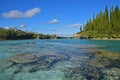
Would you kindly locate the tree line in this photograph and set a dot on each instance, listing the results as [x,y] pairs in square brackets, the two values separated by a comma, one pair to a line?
[104,25]
[13,34]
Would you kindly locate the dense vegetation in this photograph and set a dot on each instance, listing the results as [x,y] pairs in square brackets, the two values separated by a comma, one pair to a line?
[104,25]
[11,34]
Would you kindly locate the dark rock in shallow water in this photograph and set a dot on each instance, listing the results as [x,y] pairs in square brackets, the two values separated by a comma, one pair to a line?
[92,73]
[47,60]
[28,42]
[84,72]
[31,42]
[40,65]
[103,66]
[34,69]
[111,74]
[19,69]
[113,63]
[29,58]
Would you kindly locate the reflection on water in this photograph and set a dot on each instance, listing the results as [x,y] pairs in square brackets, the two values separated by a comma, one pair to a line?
[55,60]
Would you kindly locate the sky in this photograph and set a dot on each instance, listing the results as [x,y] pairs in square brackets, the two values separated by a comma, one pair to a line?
[59,17]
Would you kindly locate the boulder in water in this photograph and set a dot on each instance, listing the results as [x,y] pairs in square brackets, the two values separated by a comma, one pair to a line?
[23,58]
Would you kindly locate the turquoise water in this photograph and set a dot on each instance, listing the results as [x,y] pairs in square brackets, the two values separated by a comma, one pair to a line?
[57,59]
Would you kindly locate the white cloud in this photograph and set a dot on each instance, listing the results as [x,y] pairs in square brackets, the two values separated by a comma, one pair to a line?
[7,27]
[22,25]
[20,14]
[54,21]
[76,25]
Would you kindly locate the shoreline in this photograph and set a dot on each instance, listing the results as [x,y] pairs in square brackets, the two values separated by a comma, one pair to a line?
[97,38]
[66,38]
[104,39]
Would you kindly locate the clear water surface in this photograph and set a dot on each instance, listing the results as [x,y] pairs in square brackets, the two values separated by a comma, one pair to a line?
[58,59]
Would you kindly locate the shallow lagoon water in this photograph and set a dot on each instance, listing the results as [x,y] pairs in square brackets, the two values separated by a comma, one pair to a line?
[61,59]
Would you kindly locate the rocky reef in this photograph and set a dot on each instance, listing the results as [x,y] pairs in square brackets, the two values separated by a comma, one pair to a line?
[103,66]
[69,63]
[40,61]
[23,58]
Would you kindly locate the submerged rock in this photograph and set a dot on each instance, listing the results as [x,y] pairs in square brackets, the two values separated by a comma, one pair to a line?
[111,74]
[36,62]
[113,63]
[23,58]
[27,58]
[106,59]
[34,69]
[31,42]
[85,72]
[102,66]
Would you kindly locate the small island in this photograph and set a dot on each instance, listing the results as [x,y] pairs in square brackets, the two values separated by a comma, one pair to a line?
[105,25]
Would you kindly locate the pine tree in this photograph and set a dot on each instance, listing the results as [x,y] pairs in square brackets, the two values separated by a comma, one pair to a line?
[104,24]
[106,21]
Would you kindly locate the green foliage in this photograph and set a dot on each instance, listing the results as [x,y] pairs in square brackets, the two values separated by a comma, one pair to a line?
[15,34]
[104,25]
[11,34]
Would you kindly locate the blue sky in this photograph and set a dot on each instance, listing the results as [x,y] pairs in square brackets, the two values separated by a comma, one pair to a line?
[60,17]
